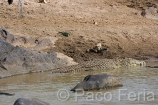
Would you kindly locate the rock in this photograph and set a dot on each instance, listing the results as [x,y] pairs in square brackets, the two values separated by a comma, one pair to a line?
[96,82]
[33,43]
[15,60]
[152,66]
[150,12]
[7,94]
[43,43]
[23,101]
[4,35]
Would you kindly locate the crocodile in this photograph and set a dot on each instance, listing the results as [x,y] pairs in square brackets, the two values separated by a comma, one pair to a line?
[16,60]
[100,64]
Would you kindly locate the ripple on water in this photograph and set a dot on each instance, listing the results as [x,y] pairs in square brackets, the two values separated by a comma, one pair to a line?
[45,86]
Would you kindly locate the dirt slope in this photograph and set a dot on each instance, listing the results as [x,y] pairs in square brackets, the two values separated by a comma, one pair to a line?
[114,23]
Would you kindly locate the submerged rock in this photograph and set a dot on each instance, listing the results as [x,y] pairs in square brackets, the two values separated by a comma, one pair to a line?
[152,66]
[7,94]
[96,82]
[23,101]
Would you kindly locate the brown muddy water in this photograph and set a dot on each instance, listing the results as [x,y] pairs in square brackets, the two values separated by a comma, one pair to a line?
[140,87]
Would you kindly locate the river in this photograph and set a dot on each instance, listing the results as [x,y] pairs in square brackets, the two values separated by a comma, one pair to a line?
[140,87]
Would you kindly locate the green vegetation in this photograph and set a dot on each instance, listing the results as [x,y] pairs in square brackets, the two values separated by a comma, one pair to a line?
[65,33]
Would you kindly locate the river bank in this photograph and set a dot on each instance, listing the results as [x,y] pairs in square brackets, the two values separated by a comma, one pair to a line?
[117,26]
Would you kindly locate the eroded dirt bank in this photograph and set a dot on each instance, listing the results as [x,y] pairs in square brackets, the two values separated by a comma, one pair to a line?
[118,25]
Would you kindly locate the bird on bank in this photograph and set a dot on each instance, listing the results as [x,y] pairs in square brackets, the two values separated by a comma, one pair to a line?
[143,13]
[10,2]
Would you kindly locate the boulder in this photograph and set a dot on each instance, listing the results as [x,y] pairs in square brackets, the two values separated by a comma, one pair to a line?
[15,60]
[97,82]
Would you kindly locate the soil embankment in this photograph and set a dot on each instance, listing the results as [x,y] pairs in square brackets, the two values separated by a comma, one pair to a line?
[117,24]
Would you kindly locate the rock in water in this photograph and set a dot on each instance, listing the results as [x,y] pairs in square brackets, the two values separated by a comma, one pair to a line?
[96,82]
[23,101]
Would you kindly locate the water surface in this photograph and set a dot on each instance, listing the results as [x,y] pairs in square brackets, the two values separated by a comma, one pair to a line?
[140,86]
